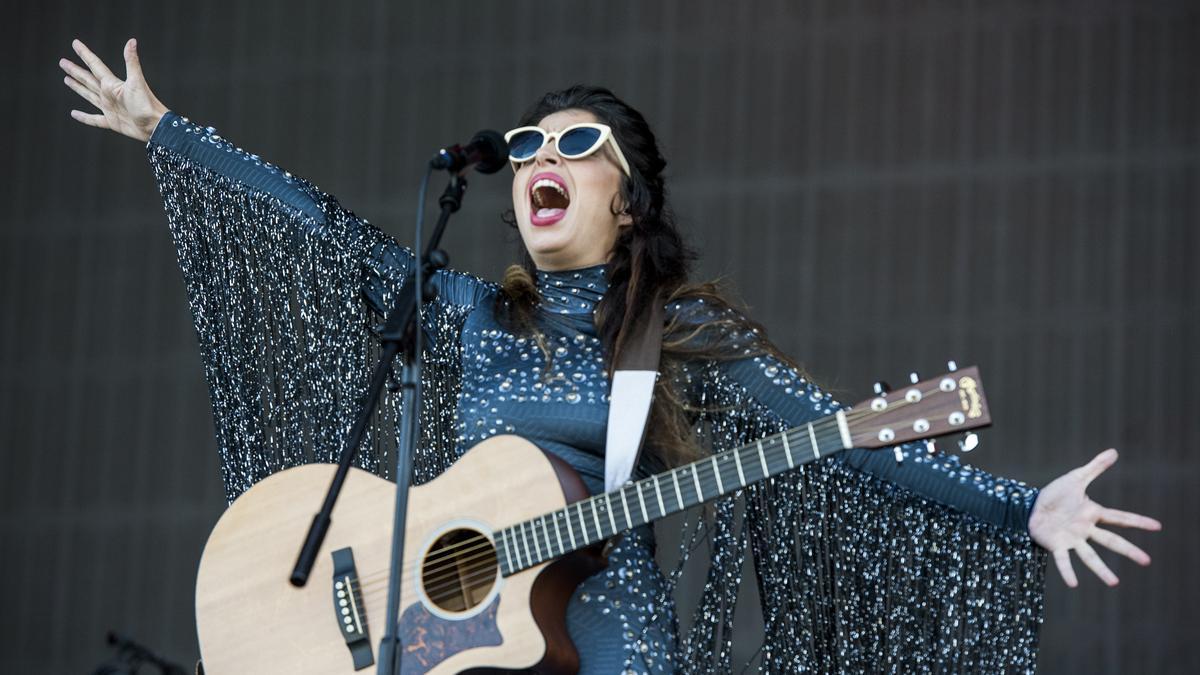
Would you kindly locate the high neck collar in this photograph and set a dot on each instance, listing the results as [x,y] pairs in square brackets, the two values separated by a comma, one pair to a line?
[573,292]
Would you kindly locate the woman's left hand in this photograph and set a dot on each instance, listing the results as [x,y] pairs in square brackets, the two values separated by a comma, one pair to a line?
[1064,518]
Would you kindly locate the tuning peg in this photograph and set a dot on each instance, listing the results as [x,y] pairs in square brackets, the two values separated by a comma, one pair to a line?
[969,442]
[914,377]
[881,388]
[951,366]
[930,446]
[899,454]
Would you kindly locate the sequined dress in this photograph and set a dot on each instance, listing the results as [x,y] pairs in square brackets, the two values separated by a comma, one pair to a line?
[861,563]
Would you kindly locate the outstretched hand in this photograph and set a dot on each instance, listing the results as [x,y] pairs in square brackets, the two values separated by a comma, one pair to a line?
[1064,519]
[126,106]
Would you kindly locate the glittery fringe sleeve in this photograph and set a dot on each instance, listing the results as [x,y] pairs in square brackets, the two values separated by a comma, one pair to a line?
[858,574]
[790,396]
[275,273]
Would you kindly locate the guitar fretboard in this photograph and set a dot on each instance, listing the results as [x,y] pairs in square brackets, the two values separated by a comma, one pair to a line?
[598,518]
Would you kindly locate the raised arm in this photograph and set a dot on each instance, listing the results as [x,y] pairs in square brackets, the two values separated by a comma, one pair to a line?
[285,285]
[193,159]
[181,152]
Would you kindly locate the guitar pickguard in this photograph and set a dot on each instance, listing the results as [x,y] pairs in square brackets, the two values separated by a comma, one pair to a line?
[429,639]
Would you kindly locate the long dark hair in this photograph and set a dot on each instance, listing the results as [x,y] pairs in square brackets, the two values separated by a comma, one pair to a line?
[649,261]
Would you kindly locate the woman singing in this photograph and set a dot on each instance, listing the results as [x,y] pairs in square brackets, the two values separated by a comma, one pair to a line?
[862,563]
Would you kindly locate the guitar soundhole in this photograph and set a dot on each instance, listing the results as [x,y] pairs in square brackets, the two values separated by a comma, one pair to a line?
[459,570]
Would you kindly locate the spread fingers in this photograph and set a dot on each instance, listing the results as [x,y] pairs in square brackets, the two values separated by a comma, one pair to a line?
[90,120]
[1062,560]
[1127,519]
[1115,542]
[1089,557]
[93,62]
[81,75]
[87,94]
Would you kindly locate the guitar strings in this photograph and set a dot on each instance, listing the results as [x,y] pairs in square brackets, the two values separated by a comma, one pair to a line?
[477,572]
[474,570]
[473,566]
[798,431]
[483,552]
[484,547]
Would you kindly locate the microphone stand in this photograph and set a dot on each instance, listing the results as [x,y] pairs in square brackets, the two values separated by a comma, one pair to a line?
[401,335]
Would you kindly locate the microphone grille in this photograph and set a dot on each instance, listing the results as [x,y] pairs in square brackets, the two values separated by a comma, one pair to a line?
[493,151]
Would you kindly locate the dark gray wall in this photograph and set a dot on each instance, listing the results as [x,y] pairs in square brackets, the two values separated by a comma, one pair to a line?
[888,184]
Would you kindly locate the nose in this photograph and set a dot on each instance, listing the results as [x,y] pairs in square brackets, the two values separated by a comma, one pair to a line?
[548,154]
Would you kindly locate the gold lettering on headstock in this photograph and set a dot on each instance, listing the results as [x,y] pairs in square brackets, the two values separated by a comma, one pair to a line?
[968,396]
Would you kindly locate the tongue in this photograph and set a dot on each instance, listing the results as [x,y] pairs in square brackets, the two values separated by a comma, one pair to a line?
[546,213]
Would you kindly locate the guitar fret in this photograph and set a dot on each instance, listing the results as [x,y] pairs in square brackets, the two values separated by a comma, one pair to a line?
[642,501]
[678,492]
[662,508]
[843,429]
[763,459]
[558,534]
[507,549]
[533,536]
[525,544]
[696,478]
[625,505]
[538,554]
[812,438]
[596,518]
[611,520]
[546,534]
[570,531]
[582,521]
[787,450]
[717,473]
[737,460]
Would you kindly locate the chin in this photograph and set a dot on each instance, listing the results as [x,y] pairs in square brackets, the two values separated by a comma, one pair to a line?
[547,255]
[547,239]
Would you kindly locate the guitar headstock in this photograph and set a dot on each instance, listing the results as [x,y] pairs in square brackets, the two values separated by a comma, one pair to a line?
[942,405]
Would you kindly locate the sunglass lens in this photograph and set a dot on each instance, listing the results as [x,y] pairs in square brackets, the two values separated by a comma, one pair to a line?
[524,145]
[578,141]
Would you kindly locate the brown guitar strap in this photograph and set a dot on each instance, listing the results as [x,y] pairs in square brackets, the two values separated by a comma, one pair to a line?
[631,394]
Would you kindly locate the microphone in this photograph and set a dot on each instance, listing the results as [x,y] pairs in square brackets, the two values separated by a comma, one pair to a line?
[486,153]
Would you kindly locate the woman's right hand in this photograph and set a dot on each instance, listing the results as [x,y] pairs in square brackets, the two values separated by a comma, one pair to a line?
[126,106]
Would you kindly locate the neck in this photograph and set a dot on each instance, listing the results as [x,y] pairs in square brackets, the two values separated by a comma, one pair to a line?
[567,266]
[574,291]
[566,262]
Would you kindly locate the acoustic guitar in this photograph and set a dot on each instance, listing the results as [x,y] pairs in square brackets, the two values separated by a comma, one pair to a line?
[495,545]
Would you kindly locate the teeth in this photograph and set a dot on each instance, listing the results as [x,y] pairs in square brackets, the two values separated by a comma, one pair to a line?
[546,182]
[539,198]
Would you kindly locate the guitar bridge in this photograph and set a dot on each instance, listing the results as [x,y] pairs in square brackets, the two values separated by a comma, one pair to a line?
[349,608]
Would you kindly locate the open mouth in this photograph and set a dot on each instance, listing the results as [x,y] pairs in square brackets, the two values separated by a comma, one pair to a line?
[549,199]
